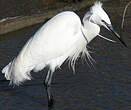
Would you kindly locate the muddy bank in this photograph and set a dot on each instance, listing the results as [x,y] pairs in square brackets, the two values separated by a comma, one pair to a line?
[34,13]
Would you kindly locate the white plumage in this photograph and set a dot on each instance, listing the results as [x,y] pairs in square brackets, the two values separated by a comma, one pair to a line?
[52,44]
[62,37]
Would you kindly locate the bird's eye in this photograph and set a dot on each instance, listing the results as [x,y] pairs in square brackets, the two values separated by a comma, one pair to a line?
[103,21]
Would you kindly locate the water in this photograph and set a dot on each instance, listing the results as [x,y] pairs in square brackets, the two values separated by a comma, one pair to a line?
[104,87]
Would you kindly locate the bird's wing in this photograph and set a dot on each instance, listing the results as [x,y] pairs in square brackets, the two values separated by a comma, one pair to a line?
[53,39]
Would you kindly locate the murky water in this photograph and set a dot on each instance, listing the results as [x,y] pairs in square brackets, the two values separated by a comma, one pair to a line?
[104,87]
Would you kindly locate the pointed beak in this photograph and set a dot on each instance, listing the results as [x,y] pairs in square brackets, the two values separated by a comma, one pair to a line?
[116,34]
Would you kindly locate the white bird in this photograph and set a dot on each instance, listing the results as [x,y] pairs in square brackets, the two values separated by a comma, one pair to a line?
[62,38]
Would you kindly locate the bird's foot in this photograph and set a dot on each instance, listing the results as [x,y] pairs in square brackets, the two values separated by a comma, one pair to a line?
[49,95]
[51,102]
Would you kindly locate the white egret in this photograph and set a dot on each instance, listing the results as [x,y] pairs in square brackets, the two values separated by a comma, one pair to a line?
[62,38]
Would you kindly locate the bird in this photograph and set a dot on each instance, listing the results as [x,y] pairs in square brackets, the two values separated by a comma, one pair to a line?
[62,38]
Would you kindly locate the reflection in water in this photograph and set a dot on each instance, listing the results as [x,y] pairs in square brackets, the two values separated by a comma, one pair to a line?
[106,88]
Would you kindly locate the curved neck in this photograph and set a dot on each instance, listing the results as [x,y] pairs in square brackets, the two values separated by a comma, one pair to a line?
[90,30]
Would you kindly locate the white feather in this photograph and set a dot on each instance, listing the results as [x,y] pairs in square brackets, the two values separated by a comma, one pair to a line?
[62,38]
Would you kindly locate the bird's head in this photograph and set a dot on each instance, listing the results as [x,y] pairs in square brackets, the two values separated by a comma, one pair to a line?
[98,16]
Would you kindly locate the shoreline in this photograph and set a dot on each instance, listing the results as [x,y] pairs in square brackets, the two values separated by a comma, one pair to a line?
[15,23]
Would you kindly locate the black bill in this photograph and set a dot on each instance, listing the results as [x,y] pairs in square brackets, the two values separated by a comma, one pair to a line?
[117,35]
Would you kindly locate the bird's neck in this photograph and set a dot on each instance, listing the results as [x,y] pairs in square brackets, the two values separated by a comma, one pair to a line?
[90,30]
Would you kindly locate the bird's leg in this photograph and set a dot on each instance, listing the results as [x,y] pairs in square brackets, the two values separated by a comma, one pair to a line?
[48,88]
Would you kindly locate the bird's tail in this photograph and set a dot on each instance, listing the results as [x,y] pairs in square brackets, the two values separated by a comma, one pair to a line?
[14,74]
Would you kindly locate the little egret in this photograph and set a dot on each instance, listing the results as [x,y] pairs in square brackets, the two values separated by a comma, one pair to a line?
[64,37]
